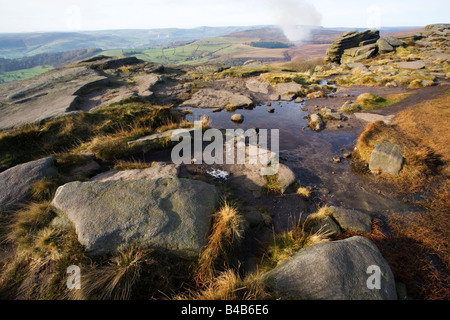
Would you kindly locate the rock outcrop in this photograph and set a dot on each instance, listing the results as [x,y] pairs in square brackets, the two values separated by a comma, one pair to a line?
[16,182]
[386,157]
[337,270]
[169,214]
[350,40]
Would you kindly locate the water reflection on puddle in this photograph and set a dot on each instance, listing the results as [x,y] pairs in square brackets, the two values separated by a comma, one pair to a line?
[288,117]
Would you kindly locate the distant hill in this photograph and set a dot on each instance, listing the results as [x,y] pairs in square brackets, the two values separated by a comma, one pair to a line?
[18,45]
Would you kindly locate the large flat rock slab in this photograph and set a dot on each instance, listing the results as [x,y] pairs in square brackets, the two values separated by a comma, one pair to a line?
[48,95]
[156,171]
[210,98]
[169,214]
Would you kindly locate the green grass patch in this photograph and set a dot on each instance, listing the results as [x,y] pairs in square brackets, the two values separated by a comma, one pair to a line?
[23,73]
[369,101]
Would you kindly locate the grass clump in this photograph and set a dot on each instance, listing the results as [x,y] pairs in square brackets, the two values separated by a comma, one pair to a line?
[226,232]
[369,101]
[272,185]
[122,165]
[132,273]
[245,72]
[286,244]
[285,77]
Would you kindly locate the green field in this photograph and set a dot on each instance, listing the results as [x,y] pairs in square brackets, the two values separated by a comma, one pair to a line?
[23,74]
[193,53]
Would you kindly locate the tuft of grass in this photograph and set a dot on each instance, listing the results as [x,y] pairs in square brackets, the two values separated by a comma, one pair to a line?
[43,189]
[305,192]
[117,279]
[27,222]
[123,165]
[226,232]
[272,185]
[229,285]
[367,99]
[286,244]
[370,101]
[37,270]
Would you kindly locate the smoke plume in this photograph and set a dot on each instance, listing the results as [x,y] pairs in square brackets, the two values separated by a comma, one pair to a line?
[296,18]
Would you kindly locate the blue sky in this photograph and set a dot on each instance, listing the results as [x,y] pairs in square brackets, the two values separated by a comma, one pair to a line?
[74,15]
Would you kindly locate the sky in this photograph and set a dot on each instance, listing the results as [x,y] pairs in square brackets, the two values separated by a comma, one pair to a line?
[78,15]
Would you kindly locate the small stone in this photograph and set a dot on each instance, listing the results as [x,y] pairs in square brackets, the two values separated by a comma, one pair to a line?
[337,159]
[237,117]
[271,110]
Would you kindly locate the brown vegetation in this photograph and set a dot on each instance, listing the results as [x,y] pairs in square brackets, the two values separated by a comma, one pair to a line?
[417,245]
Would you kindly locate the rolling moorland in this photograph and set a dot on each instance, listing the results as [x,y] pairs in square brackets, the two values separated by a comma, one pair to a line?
[87,178]
[20,54]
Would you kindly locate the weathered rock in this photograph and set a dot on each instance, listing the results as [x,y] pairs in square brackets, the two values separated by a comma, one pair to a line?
[350,40]
[413,65]
[324,225]
[146,83]
[355,65]
[337,270]
[359,53]
[274,97]
[16,182]
[386,157]
[288,88]
[154,140]
[372,117]
[286,177]
[172,214]
[237,117]
[257,86]
[51,94]
[253,64]
[157,171]
[210,98]
[350,107]
[333,115]
[316,122]
[384,46]
[271,110]
[393,41]
[287,97]
[352,220]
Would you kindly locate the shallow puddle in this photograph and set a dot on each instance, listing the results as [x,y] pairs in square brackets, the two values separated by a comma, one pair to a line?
[310,154]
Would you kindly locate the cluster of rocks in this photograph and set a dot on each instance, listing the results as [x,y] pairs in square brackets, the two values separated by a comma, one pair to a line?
[356,46]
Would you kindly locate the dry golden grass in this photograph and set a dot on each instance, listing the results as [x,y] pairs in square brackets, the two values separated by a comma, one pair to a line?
[421,163]
[305,192]
[417,245]
[122,165]
[118,278]
[227,231]
[229,285]
[286,244]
